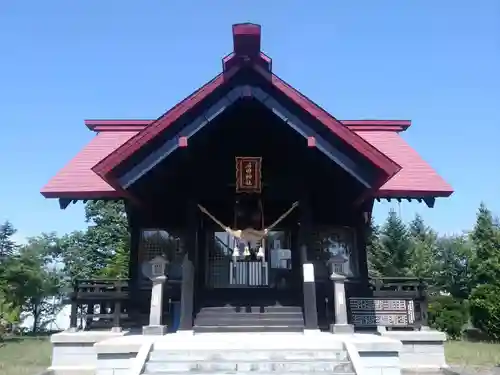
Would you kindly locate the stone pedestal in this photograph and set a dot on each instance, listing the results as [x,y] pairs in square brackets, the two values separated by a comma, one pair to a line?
[422,350]
[155,271]
[155,326]
[341,324]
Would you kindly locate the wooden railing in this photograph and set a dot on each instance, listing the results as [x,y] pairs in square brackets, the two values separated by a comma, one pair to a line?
[391,302]
[101,303]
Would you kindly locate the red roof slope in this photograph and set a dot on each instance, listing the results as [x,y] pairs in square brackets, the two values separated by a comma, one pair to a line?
[77,180]
[247,53]
[416,178]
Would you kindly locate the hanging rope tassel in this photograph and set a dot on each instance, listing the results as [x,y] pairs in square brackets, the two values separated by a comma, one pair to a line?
[260,253]
[236,250]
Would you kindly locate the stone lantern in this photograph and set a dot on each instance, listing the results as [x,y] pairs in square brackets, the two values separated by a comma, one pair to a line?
[337,274]
[155,270]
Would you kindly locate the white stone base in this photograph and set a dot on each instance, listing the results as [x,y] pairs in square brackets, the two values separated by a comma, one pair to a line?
[111,353]
[341,328]
[422,350]
[158,330]
[73,352]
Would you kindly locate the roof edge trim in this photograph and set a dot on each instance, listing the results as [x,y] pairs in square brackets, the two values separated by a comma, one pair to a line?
[403,194]
[98,125]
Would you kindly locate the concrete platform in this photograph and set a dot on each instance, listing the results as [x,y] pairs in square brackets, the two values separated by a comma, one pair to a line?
[422,350]
[377,354]
[111,353]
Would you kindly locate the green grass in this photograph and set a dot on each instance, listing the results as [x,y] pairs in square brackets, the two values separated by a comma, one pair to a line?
[24,355]
[467,353]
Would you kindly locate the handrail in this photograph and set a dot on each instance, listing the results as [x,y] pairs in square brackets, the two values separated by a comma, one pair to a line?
[355,358]
[140,360]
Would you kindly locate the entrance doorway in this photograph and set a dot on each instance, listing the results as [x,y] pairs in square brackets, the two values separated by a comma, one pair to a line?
[274,269]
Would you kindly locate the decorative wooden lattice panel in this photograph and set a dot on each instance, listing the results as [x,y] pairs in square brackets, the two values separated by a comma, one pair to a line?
[159,242]
[389,312]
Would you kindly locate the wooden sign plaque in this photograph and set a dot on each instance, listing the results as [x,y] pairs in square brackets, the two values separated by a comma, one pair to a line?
[248,174]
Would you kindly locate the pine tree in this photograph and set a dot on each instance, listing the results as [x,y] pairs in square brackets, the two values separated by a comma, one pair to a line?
[417,228]
[452,261]
[485,239]
[396,244]
[375,252]
[423,250]
[7,245]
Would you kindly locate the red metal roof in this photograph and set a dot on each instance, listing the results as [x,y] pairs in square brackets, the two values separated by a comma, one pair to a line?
[416,178]
[246,41]
[77,180]
[404,173]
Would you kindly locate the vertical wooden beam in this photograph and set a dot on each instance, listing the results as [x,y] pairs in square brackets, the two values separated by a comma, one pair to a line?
[188,270]
[73,318]
[308,279]
[117,310]
[134,273]
[363,229]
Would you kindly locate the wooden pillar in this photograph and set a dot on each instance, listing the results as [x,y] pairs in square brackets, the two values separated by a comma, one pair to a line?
[188,270]
[134,272]
[73,318]
[363,228]
[309,285]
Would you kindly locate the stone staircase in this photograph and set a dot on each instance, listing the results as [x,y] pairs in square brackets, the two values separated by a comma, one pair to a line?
[260,318]
[248,361]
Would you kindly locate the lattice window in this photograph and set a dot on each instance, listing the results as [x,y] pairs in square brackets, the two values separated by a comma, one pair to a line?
[155,242]
[169,244]
[334,245]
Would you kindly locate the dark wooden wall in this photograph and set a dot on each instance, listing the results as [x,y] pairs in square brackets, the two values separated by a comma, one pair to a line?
[204,172]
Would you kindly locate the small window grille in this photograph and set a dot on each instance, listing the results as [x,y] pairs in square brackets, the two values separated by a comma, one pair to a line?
[159,242]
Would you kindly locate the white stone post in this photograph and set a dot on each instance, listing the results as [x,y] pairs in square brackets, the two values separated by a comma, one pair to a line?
[341,323]
[156,272]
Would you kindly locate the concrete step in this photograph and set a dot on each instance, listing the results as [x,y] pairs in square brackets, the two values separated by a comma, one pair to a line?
[293,355]
[232,321]
[252,309]
[251,315]
[205,367]
[249,373]
[256,328]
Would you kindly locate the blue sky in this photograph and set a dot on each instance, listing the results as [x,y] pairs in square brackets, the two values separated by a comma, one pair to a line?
[434,62]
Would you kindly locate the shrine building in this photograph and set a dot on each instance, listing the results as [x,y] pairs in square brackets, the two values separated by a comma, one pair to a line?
[249,208]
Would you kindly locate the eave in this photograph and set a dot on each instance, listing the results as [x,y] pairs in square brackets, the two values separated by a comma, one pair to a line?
[355,125]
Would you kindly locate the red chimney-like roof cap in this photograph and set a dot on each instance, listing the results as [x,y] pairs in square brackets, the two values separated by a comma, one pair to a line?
[246,39]
[246,47]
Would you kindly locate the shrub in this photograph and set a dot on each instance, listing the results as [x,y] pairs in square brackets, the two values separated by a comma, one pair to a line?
[485,309]
[9,316]
[448,314]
